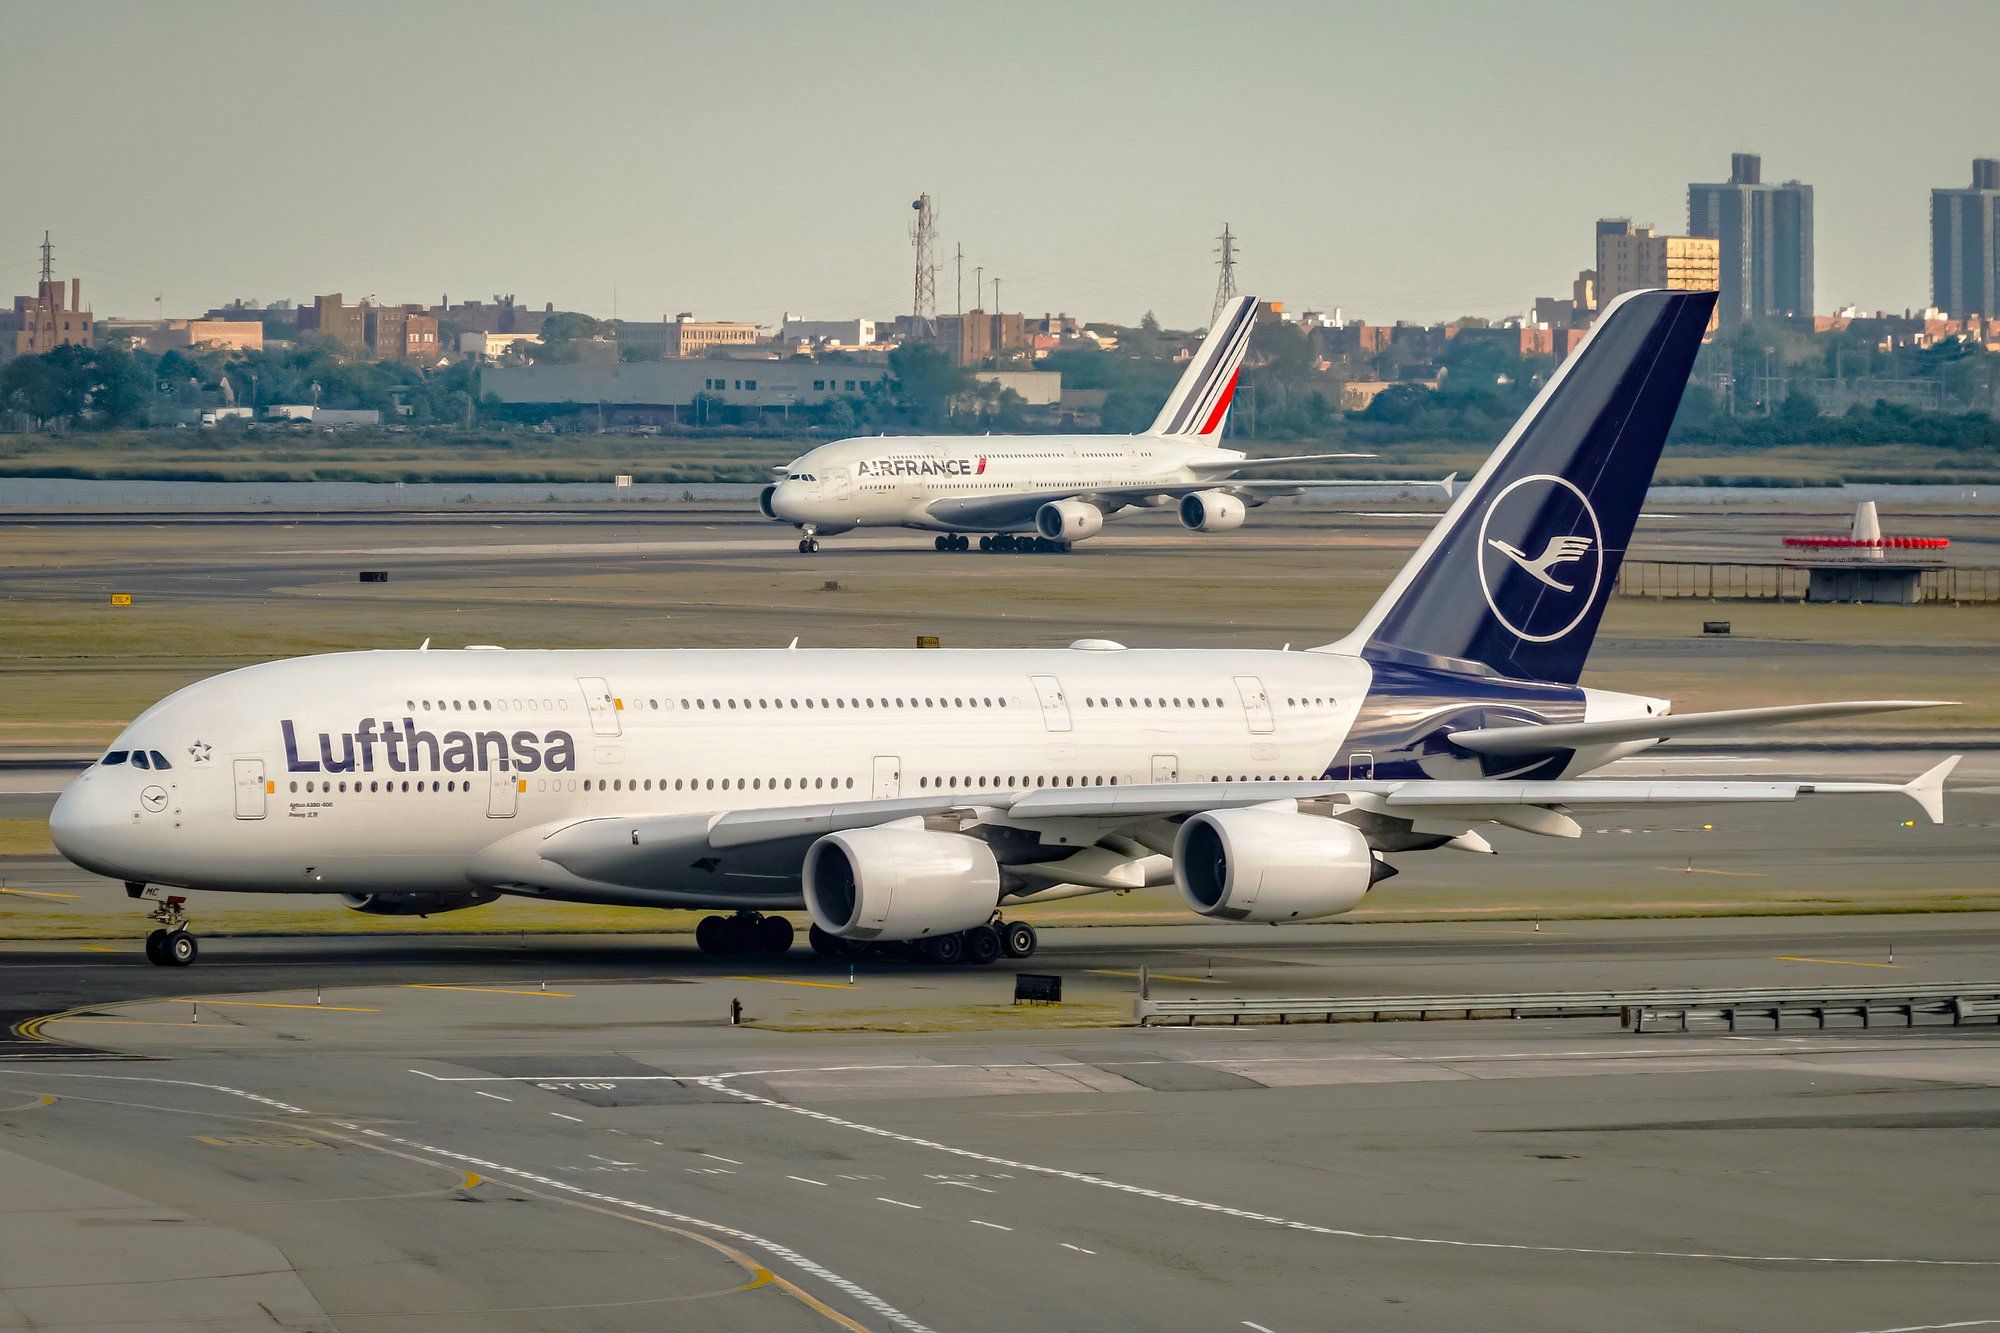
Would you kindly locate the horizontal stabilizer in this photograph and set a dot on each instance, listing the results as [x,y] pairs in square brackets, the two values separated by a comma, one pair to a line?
[1577,735]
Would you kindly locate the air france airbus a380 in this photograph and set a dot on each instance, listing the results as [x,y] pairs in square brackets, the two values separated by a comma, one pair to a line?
[920,795]
[1056,489]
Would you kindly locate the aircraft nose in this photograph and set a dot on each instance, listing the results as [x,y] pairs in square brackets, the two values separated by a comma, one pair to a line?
[86,828]
[784,500]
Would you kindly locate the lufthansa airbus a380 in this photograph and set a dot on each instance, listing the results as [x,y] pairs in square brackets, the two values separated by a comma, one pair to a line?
[918,796]
[1045,492]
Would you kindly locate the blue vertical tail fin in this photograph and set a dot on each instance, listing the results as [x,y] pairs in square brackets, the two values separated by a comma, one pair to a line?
[1514,578]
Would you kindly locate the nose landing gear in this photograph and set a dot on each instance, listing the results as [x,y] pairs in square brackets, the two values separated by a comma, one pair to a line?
[809,543]
[171,945]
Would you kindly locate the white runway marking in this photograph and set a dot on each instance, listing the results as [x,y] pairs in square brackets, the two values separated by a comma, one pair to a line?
[716,1082]
[784,1252]
[1925,1328]
[1078,1248]
[968,1185]
[479,1092]
[899,1203]
[560,1116]
[995,1225]
[261,1100]
[716,1158]
[805,1181]
[1259,1327]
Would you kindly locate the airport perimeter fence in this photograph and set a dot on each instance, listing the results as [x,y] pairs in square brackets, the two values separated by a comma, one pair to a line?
[1960,1001]
[1732,581]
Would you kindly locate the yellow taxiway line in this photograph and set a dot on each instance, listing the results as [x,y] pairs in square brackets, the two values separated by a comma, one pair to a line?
[1832,962]
[1156,976]
[782,981]
[37,893]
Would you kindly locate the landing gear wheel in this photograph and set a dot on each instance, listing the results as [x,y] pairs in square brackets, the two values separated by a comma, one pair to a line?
[708,936]
[937,544]
[178,949]
[153,953]
[774,935]
[945,949]
[1017,939]
[825,945]
[982,945]
[985,543]
[808,546]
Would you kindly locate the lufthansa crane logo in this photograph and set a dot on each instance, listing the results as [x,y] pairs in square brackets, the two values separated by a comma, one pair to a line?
[1541,557]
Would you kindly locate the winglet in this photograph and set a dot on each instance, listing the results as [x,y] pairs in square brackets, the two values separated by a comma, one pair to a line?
[1927,789]
[1449,484]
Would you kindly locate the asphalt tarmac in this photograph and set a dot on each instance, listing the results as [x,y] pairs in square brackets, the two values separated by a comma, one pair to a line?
[567,1132]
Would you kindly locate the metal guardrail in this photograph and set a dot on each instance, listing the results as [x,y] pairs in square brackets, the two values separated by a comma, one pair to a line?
[1959,999]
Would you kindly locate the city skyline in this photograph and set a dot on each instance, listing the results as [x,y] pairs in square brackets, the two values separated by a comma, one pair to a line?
[1417,162]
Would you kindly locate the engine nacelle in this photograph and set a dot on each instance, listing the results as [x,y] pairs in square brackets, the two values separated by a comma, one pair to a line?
[1211,511]
[1272,865]
[428,902]
[899,883]
[1069,520]
[764,501]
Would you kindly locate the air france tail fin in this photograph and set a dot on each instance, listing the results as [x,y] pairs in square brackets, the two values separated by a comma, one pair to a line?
[1514,578]
[1199,404]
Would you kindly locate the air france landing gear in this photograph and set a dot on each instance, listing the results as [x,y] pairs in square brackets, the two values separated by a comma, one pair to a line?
[171,945]
[745,932]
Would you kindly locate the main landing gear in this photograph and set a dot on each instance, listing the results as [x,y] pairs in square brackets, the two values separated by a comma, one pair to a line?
[171,945]
[745,932]
[981,945]
[1004,543]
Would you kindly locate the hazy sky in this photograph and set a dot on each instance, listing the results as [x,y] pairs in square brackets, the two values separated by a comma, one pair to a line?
[739,160]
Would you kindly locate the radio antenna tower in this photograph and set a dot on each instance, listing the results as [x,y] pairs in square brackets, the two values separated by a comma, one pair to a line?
[1225,285]
[48,257]
[923,305]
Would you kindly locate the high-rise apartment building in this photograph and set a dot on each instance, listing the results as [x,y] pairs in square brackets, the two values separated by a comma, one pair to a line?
[1965,245]
[1764,235]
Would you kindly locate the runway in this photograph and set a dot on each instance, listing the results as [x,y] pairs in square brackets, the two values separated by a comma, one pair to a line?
[551,1133]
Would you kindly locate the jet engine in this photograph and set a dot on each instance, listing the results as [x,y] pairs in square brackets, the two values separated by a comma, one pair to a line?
[899,883]
[1272,865]
[1211,511]
[764,501]
[427,902]
[1069,520]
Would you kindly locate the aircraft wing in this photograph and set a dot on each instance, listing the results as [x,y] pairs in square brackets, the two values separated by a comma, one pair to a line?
[745,850]
[1575,735]
[1225,467]
[1018,507]
[1426,797]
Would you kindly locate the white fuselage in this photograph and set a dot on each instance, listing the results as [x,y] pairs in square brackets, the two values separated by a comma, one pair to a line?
[912,481]
[394,771]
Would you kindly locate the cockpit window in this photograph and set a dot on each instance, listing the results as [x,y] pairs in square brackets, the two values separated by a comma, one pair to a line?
[139,759]
[114,757]
[159,760]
